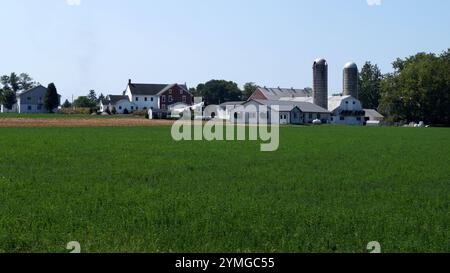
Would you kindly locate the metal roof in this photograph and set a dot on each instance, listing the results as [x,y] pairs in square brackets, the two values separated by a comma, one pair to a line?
[278,93]
[305,107]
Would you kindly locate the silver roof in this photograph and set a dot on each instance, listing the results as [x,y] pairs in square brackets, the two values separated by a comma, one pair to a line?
[350,65]
[305,107]
[278,93]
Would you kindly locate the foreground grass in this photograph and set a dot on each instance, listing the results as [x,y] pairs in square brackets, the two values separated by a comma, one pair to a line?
[327,189]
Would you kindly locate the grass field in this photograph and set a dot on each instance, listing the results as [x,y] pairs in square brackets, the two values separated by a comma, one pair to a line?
[327,189]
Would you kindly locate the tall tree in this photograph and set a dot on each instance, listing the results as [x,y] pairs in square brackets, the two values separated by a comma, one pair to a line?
[8,98]
[84,102]
[369,85]
[51,98]
[92,96]
[219,91]
[101,97]
[249,89]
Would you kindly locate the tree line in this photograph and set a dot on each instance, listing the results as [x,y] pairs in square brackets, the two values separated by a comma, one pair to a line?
[417,90]
[13,84]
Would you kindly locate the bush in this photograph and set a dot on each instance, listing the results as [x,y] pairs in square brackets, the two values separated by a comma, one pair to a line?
[126,112]
[114,111]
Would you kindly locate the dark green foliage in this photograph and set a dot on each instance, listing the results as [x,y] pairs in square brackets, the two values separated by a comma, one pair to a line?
[370,79]
[126,112]
[219,91]
[418,90]
[249,89]
[67,104]
[137,190]
[51,98]
[84,102]
[8,98]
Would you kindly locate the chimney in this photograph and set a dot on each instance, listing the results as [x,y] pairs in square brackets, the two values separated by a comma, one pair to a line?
[129,81]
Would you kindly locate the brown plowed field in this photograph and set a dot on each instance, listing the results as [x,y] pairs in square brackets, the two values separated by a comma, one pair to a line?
[79,122]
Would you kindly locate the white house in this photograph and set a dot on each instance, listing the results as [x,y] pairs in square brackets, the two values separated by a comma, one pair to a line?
[156,97]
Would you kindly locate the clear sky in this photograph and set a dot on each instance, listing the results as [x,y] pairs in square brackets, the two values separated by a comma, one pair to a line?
[100,44]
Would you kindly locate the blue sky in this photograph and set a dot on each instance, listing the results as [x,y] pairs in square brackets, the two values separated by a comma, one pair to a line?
[100,44]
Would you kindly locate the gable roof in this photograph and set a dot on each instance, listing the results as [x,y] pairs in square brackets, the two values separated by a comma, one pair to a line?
[373,113]
[278,93]
[31,90]
[305,107]
[113,99]
[152,89]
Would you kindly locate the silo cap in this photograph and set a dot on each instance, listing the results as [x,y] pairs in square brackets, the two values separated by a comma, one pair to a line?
[320,61]
[350,65]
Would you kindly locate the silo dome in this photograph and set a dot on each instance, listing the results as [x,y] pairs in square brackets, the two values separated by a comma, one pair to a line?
[350,65]
[320,62]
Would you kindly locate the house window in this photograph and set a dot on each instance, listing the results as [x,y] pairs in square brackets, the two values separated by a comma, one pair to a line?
[181,91]
[358,118]
[184,98]
[137,108]
[137,99]
[29,107]
[145,99]
[342,118]
[310,116]
[120,107]
[163,98]
[354,102]
[170,98]
[151,99]
[318,116]
[39,107]
[132,108]
[28,98]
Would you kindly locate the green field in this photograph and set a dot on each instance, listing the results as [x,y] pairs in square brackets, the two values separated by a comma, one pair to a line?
[327,189]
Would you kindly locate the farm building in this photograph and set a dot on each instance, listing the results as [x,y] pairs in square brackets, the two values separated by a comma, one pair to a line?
[346,110]
[287,112]
[156,97]
[30,101]
[372,117]
[264,93]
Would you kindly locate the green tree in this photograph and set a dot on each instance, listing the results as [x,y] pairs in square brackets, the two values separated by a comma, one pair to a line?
[100,98]
[418,90]
[83,102]
[26,82]
[8,98]
[51,98]
[92,96]
[67,104]
[249,89]
[369,86]
[219,91]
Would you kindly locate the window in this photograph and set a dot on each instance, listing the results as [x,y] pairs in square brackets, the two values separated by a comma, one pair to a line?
[318,116]
[342,118]
[170,98]
[163,98]
[120,107]
[29,107]
[28,98]
[137,99]
[151,99]
[137,108]
[346,102]
[132,108]
[39,107]
[170,91]
[145,99]
[358,118]
[310,116]
[184,98]
[354,102]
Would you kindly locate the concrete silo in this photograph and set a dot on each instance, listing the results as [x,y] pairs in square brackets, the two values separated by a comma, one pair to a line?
[351,76]
[320,83]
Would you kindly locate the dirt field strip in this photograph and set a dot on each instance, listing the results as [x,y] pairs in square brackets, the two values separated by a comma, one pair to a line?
[69,122]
